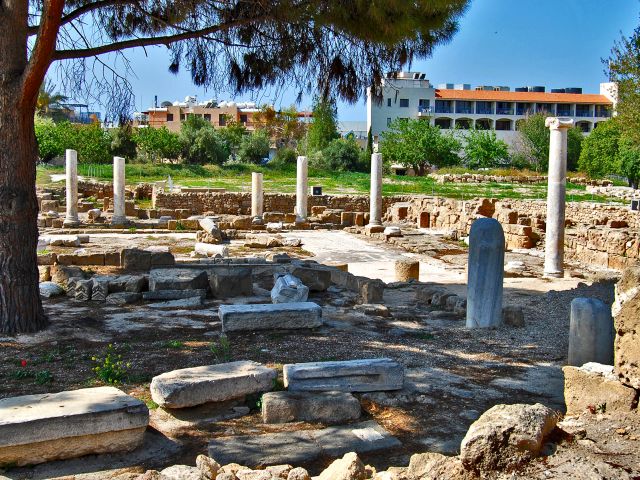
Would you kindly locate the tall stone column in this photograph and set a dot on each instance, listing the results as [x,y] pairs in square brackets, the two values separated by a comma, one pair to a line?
[257,197]
[485,274]
[71,172]
[554,243]
[302,189]
[375,201]
[119,215]
[591,332]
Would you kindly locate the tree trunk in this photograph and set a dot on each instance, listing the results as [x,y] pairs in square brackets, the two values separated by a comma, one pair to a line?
[20,305]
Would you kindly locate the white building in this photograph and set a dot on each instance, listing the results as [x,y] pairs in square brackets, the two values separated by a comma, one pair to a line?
[411,95]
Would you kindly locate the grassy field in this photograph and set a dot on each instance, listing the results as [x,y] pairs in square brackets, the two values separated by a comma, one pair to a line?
[237,178]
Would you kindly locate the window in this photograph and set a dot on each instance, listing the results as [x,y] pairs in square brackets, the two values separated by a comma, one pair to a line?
[207,117]
[404,103]
[243,119]
[222,120]
[182,117]
[388,102]
[388,121]
[169,117]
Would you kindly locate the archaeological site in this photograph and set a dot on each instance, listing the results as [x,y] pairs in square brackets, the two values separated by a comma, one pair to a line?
[202,334]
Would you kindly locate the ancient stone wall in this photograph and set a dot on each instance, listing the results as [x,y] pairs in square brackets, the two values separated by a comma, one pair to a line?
[521,179]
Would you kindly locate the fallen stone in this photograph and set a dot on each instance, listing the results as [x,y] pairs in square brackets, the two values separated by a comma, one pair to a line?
[279,471]
[211,383]
[317,279]
[83,290]
[211,250]
[231,282]
[300,447]
[513,316]
[61,274]
[181,472]
[177,279]
[435,466]
[50,289]
[70,241]
[372,291]
[45,427]
[330,408]
[208,467]
[174,422]
[372,309]
[595,385]
[289,289]
[298,473]
[135,259]
[165,295]
[123,298]
[370,375]
[99,290]
[392,232]
[505,436]
[237,318]
[349,467]
[182,303]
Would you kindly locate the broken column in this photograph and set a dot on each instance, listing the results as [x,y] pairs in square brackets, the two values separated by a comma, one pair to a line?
[375,206]
[486,272]
[591,332]
[302,190]
[71,173]
[119,216]
[257,197]
[554,243]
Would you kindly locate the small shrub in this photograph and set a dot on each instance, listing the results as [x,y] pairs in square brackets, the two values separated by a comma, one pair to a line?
[221,349]
[110,369]
[180,226]
[175,344]
[43,377]
[285,156]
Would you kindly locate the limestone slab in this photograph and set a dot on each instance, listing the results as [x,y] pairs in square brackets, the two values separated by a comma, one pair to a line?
[39,428]
[325,407]
[210,383]
[173,294]
[237,318]
[302,446]
[370,375]
[177,279]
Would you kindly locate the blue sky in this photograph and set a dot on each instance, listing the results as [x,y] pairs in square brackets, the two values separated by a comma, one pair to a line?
[557,43]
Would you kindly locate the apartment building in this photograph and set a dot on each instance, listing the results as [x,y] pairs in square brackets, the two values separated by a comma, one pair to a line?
[171,115]
[461,107]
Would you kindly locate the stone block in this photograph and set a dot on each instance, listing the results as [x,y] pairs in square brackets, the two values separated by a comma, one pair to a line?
[627,324]
[371,291]
[211,250]
[47,258]
[45,427]
[165,295]
[593,385]
[289,289]
[407,270]
[238,318]
[317,279]
[99,290]
[211,383]
[177,279]
[162,259]
[123,298]
[370,375]
[81,259]
[330,408]
[135,259]
[231,282]
[112,259]
[83,290]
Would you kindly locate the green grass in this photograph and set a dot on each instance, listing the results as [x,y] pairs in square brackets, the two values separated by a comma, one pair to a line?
[237,178]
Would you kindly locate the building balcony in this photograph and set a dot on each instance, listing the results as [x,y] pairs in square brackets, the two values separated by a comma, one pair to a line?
[484,111]
[424,111]
[443,109]
[582,113]
[467,111]
[564,113]
[504,111]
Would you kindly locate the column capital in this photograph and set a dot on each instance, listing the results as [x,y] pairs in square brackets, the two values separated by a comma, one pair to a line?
[558,123]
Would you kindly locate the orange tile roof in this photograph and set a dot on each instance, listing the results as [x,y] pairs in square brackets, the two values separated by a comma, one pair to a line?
[492,95]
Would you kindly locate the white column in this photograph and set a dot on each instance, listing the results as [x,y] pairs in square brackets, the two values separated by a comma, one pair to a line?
[119,216]
[71,171]
[302,190]
[375,201]
[257,197]
[554,243]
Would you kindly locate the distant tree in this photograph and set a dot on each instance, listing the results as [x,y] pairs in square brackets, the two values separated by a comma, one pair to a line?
[157,143]
[49,138]
[417,144]
[482,149]
[201,144]
[599,156]
[341,155]
[324,125]
[283,127]
[535,136]
[123,143]
[255,147]
[369,142]
[629,159]
[233,134]
[49,101]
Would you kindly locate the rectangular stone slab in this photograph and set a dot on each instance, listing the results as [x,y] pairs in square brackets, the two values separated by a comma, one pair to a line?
[330,408]
[177,279]
[39,428]
[370,375]
[210,383]
[239,318]
[301,447]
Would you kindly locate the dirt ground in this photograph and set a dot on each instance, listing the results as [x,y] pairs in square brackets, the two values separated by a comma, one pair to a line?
[452,374]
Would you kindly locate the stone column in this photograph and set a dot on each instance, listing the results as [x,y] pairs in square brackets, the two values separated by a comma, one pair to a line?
[257,197]
[71,171]
[375,201]
[485,274]
[554,243]
[119,216]
[591,332]
[302,190]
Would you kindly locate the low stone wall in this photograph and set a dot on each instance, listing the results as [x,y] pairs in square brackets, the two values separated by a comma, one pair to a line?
[596,234]
[522,179]
[229,203]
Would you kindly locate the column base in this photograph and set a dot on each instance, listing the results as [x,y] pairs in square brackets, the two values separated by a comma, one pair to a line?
[70,223]
[301,220]
[119,221]
[373,228]
[554,274]
[257,221]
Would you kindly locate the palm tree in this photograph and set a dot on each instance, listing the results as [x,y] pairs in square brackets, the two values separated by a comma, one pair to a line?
[48,99]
